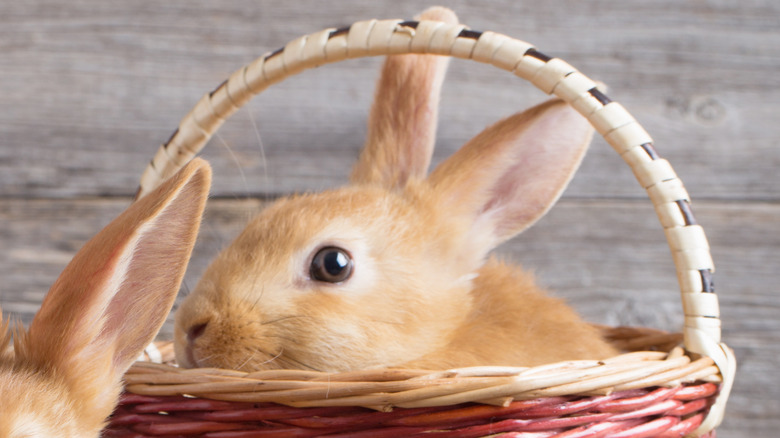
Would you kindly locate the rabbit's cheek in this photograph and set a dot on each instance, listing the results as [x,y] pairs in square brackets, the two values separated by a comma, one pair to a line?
[338,338]
[27,426]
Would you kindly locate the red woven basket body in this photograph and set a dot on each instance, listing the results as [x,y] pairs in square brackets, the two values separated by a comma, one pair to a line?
[667,392]
[661,412]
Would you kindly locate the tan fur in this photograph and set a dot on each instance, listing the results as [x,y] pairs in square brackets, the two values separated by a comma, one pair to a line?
[64,376]
[513,323]
[422,292]
[402,125]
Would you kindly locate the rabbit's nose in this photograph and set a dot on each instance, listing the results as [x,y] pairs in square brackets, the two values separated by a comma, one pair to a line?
[196,331]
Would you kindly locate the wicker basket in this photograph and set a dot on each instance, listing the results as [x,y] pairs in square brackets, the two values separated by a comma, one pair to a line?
[656,389]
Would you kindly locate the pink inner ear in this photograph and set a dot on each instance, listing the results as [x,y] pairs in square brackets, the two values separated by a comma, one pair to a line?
[513,172]
[532,184]
[552,149]
[112,298]
[124,301]
[149,287]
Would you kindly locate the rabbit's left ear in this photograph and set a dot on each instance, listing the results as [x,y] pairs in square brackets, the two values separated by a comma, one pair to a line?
[403,119]
[508,176]
[115,294]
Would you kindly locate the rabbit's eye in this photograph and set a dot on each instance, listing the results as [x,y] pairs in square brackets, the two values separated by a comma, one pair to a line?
[331,265]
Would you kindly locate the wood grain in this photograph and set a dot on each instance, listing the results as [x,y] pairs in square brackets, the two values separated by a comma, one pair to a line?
[90,88]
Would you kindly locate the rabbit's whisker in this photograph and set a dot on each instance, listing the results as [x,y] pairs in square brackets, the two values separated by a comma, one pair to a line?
[284,338]
[235,159]
[299,364]
[260,144]
[278,355]
[250,358]
[256,304]
[283,318]
[395,323]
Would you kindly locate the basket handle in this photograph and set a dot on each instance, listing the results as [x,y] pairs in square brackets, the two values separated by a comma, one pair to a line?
[685,237]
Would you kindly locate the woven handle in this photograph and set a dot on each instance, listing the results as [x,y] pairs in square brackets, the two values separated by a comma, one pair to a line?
[686,238]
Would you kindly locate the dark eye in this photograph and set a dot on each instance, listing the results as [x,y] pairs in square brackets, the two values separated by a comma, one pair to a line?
[331,265]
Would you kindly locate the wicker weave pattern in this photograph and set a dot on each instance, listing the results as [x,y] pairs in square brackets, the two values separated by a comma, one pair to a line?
[386,389]
[629,413]
[686,238]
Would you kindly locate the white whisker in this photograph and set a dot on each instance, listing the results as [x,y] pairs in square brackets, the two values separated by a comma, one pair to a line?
[263,161]
[274,358]
[235,160]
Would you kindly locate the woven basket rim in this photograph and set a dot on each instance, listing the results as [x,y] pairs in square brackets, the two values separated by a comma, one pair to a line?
[657,362]
[687,240]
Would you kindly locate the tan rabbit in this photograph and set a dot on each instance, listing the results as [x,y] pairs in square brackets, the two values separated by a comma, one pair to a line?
[393,270]
[64,376]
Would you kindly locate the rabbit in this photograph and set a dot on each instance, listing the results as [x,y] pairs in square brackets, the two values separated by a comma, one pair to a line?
[393,270]
[63,376]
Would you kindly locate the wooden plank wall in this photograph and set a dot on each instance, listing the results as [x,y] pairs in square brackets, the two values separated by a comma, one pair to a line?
[90,88]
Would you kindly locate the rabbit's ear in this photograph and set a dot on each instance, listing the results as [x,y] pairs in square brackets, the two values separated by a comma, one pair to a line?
[509,176]
[114,296]
[402,123]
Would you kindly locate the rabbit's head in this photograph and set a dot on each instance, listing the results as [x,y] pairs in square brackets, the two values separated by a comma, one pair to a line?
[63,377]
[380,272]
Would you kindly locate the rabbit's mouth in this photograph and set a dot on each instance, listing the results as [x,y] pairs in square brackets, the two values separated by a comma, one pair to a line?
[198,348]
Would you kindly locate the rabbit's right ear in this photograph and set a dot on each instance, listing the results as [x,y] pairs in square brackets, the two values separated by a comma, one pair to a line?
[403,119]
[114,296]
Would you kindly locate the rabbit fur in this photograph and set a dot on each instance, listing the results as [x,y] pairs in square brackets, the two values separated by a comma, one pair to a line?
[423,290]
[63,376]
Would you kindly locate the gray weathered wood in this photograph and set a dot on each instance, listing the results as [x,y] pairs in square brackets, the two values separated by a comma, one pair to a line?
[89,88]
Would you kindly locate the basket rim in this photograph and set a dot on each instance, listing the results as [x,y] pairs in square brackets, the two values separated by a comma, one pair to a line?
[385,389]
[686,238]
